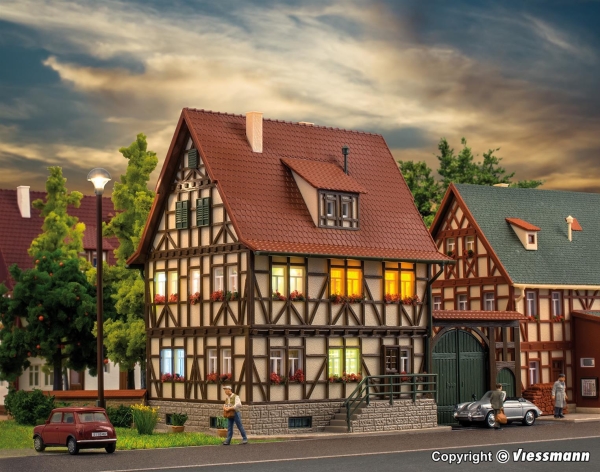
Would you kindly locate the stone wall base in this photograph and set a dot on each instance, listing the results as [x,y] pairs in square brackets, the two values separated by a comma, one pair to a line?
[273,419]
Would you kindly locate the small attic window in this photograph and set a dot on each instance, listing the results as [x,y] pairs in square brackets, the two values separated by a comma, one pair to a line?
[531,238]
[338,210]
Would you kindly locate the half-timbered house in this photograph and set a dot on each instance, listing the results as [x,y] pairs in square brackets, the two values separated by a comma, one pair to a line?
[277,257]
[525,262]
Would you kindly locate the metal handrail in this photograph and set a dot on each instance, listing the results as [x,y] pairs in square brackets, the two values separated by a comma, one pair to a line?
[368,387]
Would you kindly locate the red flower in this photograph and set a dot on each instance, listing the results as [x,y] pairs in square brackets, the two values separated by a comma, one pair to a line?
[275,378]
[298,376]
[225,378]
[392,298]
[159,299]
[194,298]
[212,377]
[297,296]
[173,298]
[278,296]
[217,296]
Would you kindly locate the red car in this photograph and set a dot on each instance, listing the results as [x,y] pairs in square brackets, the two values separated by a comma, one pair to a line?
[76,428]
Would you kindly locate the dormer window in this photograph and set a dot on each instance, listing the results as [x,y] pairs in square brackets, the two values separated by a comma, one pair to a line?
[526,232]
[531,238]
[338,210]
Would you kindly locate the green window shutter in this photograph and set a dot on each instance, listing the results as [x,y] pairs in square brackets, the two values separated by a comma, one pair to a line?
[193,158]
[181,214]
[203,211]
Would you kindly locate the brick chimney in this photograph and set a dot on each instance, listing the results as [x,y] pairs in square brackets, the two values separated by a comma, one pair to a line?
[24,201]
[254,130]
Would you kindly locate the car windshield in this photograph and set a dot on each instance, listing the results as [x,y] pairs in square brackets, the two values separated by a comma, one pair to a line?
[92,417]
[487,395]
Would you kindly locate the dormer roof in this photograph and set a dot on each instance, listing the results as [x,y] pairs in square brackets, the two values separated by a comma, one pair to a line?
[518,222]
[265,204]
[324,175]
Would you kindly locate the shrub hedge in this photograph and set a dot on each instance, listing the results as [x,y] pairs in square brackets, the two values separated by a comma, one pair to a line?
[29,408]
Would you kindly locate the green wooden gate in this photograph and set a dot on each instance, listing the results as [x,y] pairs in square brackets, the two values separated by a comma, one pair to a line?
[507,379]
[459,359]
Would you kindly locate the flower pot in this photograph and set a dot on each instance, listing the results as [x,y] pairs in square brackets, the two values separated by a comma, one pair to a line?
[176,429]
[222,433]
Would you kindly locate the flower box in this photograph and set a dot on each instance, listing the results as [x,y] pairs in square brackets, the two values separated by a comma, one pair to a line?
[391,298]
[297,377]
[173,298]
[278,296]
[297,296]
[225,378]
[277,379]
[159,299]
[411,300]
[212,378]
[221,296]
[336,298]
[194,298]
[172,378]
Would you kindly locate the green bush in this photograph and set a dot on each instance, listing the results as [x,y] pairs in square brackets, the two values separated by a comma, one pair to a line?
[178,419]
[145,418]
[29,408]
[120,417]
[222,422]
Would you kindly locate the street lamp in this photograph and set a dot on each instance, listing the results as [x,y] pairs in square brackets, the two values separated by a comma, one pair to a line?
[99,177]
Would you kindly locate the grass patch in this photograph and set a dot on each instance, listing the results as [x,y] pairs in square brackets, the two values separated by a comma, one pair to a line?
[15,436]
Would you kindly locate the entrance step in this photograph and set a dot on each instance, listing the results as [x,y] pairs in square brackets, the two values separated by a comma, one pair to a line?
[338,423]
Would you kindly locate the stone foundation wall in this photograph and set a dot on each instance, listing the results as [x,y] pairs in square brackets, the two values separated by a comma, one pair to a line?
[403,414]
[272,419]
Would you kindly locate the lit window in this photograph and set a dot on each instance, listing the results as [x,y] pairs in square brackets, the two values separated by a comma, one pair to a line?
[294,361]
[344,360]
[232,275]
[173,283]
[534,372]
[437,303]
[34,376]
[195,281]
[278,279]
[212,361]
[531,304]
[556,304]
[160,280]
[391,282]
[226,361]
[277,361]
[296,279]
[218,282]
[337,281]
[462,302]
[407,281]
[489,302]
[354,279]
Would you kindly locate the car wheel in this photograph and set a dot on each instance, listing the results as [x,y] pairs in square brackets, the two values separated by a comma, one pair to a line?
[111,448]
[490,420]
[72,446]
[529,418]
[464,423]
[38,444]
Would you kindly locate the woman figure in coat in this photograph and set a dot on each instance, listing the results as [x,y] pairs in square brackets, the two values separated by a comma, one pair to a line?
[559,396]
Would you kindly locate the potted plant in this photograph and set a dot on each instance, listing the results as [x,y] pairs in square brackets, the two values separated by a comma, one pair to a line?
[278,296]
[177,422]
[297,296]
[217,296]
[194,298]
[277,379]
[159,299]
[212,378]
[222,424]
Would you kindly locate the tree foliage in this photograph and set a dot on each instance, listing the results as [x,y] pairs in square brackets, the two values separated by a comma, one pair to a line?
[50,314]
[60,230]
[458,168]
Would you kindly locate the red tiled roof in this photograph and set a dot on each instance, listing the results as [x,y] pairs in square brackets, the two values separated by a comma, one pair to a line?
[523,224]
[575,226]
[18,232]
[323,175]
[477,315]
[265,204]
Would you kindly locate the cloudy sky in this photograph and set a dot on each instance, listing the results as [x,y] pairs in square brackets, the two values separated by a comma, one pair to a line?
[80,79]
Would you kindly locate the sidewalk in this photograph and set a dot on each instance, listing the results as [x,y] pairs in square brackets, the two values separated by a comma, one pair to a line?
[292,437]
[572,418]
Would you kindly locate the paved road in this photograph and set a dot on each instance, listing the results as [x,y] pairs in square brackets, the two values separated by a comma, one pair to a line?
[394,452]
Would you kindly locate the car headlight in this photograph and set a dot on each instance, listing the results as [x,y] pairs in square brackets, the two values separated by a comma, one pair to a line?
[478,410]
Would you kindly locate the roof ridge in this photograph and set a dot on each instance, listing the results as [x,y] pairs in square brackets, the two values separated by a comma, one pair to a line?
[298,123]
[510,189]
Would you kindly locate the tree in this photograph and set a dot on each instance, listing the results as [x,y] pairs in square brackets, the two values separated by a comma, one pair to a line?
[60,230]
[50,314]
[460,169]
[125,337]
[426,191]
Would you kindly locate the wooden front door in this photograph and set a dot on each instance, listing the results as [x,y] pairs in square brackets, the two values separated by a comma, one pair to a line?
[558,367]
[390,365]
[76,380]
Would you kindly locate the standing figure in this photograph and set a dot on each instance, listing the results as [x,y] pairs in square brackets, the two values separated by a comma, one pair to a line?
[559,396]
[233,404]
[497,401]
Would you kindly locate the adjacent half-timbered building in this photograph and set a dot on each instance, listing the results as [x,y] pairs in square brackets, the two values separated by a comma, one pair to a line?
[286,259]
[526,259]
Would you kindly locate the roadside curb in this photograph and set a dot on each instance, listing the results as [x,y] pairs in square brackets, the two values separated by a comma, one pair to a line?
[309,436]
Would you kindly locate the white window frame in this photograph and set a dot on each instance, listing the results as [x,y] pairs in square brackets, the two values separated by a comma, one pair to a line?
[463,301]
[195,281]
[404,361]
[531,301]
[34,375]
[232,278]
[534,372]
[451,245]
[297,280]
[294,360]
[226,361]
[160,283]
[218,283]
[437,302]
[276,361]
[166,361]
[470,243]
[279,281]
[489,301]
[556,300]
[213,361]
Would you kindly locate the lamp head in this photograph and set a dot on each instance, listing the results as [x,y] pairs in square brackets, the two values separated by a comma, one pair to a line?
[99,177]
